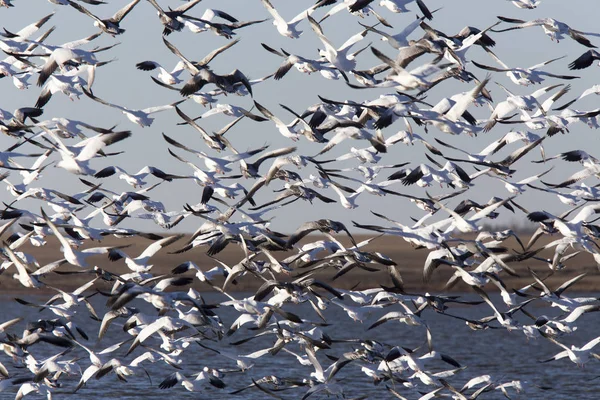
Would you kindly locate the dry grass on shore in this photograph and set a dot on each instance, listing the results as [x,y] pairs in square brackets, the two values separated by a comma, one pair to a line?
[409,260]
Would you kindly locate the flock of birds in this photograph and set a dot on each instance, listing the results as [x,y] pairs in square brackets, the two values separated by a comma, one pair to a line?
[231,212]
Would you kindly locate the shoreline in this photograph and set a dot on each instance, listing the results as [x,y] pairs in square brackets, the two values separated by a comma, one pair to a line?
[410,265]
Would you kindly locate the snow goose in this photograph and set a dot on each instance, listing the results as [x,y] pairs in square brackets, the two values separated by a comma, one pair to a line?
[139,117]
[110,25]
[287,29]
[553,28]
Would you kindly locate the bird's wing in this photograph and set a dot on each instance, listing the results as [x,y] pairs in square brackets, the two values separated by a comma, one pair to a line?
[487,67]
[119,15]
[275,153]
[216,52]
[317,29]
[517,154]
[175,143]
[159,244]
[95,143]
[187,6]
[463,102]
[302,15]
[578,37]
[268,113]
[310,352]
[17,262]
[160,10]
[63,241]
[487,210]
[540,65]
[591,344]
[155,109]
[188,64]
[85,11]
[80,42]
[273,12]
[352,40]
[207,138]
[99,100]
[568,284]
[585,60]
[339,136]
[585,213]
[34,27]
[302,231]
[521,23]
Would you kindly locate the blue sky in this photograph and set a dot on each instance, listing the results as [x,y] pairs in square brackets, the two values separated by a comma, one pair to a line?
[120,82]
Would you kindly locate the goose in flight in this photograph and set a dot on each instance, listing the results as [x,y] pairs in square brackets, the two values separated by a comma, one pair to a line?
[580,156]
[166,77]
[216,164]
[17,41]
[360,8]
[554,29]
[231,111]
[353,132]
[287,29]
[75,159]
[73,257]
[23,276]
[569,199]
[66,127]
[573,228]
[250,169]
[137,179]
[195,25]
[398,40]
[69,83]
[519,187]
[216,141]
[514,102]
[524,76]
[202,75]
[110,25]
[195,383]
[138,117]
[470,224]
[302,64]
[403,79]
[62,56]
[285,129]
[171,20]
[140,263]
[578,355]
[322,225]
[595,89]
[503,167]
[339,57]
[227,30]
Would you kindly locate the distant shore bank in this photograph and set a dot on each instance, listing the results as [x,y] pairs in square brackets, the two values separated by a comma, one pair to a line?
[410,264]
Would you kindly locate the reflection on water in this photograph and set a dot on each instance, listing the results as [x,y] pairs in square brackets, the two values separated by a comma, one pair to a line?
[504,355]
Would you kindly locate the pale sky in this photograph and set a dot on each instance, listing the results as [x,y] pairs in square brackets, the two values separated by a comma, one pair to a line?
[120,82]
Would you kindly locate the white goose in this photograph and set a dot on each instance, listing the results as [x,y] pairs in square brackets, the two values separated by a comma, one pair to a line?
[287,29]
[138,117]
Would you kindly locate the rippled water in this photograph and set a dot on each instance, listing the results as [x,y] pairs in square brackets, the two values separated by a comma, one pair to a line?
[504,355]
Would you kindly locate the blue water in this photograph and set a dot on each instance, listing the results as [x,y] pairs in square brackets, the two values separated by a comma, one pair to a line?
[504,355]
